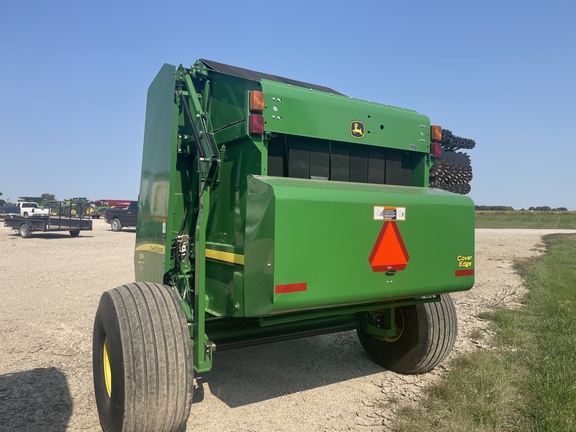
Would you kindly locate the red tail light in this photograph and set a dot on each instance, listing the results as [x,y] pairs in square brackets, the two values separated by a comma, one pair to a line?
[256,124]
[436,149]
[435,137]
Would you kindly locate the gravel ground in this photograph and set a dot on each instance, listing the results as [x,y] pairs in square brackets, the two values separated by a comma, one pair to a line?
[50,285]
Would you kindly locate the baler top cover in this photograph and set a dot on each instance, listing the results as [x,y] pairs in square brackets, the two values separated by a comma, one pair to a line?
[257,76]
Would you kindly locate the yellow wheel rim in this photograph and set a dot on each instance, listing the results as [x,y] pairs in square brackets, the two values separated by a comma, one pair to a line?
[107,370]
[399,326]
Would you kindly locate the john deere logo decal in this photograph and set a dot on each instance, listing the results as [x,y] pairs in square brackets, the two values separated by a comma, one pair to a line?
[357,129]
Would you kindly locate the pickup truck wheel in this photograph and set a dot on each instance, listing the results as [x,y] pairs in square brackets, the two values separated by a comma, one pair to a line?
[142,359]
[426,333]
[75,233]
[25,230]
[116,225]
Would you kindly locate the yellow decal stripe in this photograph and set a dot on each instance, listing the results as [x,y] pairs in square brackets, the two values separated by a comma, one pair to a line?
[225,256]
[210,253]
[151,247]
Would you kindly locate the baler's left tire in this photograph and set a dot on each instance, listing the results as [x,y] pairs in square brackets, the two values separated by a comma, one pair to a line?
[74,233]
[426,335]
[142,359]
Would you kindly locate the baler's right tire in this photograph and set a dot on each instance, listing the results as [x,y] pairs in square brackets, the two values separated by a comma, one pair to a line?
[116,225]
[426,335]
[25,230]
[142,359]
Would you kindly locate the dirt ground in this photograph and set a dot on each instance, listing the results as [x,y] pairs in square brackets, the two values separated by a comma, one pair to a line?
[50,285]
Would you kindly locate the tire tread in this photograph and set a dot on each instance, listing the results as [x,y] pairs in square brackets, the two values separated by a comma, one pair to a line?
[157,359]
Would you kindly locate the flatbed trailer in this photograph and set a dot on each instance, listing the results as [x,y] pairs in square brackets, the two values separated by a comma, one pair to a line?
[25,226]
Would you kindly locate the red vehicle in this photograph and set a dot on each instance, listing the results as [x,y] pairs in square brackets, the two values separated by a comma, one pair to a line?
[111,203]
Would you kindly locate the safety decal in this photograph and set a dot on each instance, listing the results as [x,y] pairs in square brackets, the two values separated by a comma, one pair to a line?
[389,213]
[389,252]
[357,129]
[464,266]
[291,288]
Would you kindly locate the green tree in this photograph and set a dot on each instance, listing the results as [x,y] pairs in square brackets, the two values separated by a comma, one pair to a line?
[48,197]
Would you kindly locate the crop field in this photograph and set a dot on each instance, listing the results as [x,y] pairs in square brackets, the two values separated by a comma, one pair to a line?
[526,219]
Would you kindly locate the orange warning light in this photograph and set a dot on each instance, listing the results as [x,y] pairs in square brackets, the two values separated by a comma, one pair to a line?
[389,252]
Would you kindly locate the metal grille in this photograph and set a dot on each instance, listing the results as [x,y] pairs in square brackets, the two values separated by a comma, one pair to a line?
[302,157]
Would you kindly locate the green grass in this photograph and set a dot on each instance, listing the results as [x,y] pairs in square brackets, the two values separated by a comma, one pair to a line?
[520,219]
[528,383]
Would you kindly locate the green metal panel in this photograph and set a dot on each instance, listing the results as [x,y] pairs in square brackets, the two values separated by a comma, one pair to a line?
[157,169]
[298,111]
[316,237]
[289,255]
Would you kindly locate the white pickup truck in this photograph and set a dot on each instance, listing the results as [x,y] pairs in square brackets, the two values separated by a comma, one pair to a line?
[26,209]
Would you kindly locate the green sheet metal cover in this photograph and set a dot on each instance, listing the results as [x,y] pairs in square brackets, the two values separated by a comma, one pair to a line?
[157,161]
[315,244]
[307,112]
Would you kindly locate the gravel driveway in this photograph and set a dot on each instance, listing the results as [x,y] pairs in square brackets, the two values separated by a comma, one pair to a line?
[50,285]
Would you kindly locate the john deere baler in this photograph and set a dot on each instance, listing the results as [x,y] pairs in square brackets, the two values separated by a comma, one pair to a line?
[271,209]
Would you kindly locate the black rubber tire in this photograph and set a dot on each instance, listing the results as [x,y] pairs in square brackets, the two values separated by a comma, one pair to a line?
[86,210]
[116,225]
[25,230]
[149,353]
[428,334]
[75,233]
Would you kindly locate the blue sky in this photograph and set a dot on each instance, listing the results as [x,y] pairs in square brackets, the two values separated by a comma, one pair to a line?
[75,74]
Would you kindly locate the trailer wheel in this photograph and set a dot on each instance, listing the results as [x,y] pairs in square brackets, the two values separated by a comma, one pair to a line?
[25,230]
[426,335]
[75,233]
[142,360]
[116,225]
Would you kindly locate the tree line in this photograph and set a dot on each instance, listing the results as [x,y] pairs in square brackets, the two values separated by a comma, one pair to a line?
[510,208]
[42,198]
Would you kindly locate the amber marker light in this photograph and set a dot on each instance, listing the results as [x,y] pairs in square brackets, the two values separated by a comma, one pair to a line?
[256,101]
[435,133]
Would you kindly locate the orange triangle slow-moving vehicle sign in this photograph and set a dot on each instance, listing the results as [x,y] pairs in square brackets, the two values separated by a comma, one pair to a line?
[389,252]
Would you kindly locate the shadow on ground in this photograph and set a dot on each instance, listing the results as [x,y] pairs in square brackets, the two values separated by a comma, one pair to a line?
[35,400]
[249,375]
